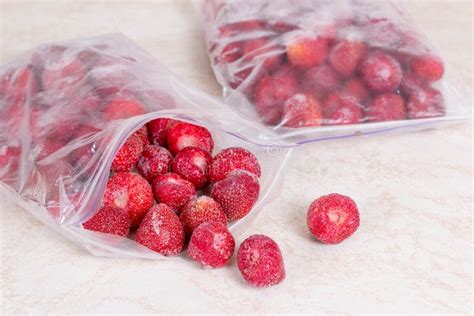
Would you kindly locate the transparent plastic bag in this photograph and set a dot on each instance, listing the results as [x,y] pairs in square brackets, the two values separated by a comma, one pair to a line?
[316,69]
[59,134]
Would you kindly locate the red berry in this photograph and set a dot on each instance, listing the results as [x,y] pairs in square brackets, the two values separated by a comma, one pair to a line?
[321,80]
[354,88]
[129,191]
[155,160]
[424,103]
[346,56]
[161,231]
[386,107]
[61,73]
[172,190]
[192,164]
[231,159]
[128,155]
[271,93]
[122,109]
[262,50]
[200,210]
[260,261]
[237,193]
[333,218]
[182,135]
[158,130]
[230,53]
[142,134]
[341,110]
[302,110]
[381,72]
[240,27]
[428,67]
[307,52]
[211,245]
[109,220]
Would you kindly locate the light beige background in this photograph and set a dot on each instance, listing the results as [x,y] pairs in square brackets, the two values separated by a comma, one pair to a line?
[412,253]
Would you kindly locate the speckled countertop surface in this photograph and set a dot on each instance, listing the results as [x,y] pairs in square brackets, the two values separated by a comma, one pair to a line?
[412,253]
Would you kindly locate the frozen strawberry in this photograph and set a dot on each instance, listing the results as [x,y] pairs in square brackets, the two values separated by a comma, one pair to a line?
[237,193]
[321,80]
[199,210]
[282,27]
[154,160]
[158,130]
[260,261]
[425,102]
[346,56]
[211,245]
[241,26]
[142,134]
[340,110]
[17,84]
[386,107]
[9,161]
[354,88]
[230,53]
[122,109]
[62,73]
[129,191]
[381,72]
[161,231]
[127,156]
[302,110]
[307,52]
[192,164]
[428,67]
[182,135]
[89,102]
[172,190]
[109,220]
[240,76]
[262,50]
[231,159]
[46,148]
[333,218]
[271,93]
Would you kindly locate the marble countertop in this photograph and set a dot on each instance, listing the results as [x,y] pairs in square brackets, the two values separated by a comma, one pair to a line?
[412,252]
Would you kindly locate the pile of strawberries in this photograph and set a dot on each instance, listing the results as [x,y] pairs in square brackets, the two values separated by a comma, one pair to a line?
[332,75]
[166,191]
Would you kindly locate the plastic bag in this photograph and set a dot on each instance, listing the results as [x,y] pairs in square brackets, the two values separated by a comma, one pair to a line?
[318,69]
[59,134]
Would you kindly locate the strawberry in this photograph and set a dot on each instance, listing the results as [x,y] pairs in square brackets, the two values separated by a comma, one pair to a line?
[302,110]
[380,72]
[231,159]
[182,135]
[211,245]
[333,218]
[158,130]
[109,220]
[161,231]
[428,67]
[307,52]
[128,155]
[237,193]
[260,261]
[199,210]
[346,56]
[341,110]
[130,192]
[192,164]
[386,107]
[154,160]
[172,190]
